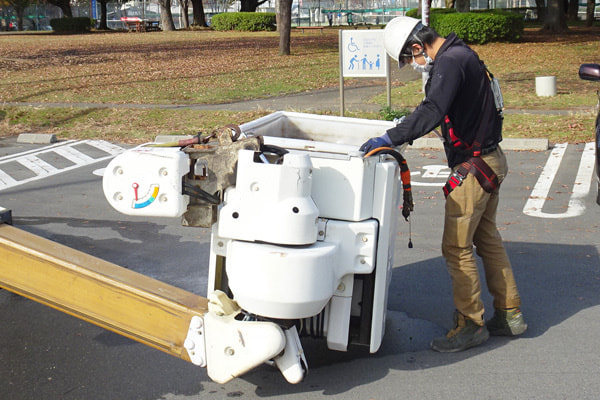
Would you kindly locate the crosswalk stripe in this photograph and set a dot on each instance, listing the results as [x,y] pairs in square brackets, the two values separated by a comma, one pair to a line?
[37,165]
[75,156]
[6,180]
[105,146]
[41,169]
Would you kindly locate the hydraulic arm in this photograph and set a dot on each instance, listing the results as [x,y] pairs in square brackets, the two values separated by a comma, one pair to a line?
[302,244]
[113,297]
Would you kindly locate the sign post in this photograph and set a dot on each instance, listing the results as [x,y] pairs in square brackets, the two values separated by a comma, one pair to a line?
[362,55]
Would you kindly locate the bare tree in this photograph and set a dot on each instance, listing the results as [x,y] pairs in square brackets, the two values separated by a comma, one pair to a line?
[185,7]
[19,6]
[284,26]
[462,6]
[541,9]
[250,5]
[573,10]
[64,5]
[166,18]
[103,12]
[556,20]
[589,12]
[199,16]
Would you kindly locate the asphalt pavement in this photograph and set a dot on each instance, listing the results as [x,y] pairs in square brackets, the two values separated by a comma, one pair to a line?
[45,354]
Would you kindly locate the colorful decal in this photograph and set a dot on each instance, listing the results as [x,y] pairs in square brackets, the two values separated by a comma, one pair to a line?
[147,199]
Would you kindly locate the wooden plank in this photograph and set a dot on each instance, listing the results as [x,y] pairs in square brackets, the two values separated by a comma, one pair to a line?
[110,296]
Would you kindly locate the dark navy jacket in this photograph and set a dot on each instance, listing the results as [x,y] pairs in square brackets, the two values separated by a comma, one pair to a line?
[459,88]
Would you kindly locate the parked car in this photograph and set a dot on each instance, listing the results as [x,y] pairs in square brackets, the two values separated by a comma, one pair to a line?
[591,72]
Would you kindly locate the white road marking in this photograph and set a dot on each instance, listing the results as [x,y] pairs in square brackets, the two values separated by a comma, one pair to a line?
[36,165]
[38,150]
[581,187]
[6,180]
[433,172]
[42,169]
[75,156]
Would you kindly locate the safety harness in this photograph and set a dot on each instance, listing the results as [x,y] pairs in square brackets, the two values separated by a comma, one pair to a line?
[475,165]
[479,169]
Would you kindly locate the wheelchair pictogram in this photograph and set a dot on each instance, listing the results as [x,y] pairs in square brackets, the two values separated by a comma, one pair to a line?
[352,46]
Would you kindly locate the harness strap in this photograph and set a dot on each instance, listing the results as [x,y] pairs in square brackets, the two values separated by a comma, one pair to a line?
[486,177]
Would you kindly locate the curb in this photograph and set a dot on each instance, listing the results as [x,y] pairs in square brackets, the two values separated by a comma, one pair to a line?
[36,138]
[506,144]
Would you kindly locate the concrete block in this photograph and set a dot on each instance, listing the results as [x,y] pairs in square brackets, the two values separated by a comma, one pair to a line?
[36,138]
[525,144]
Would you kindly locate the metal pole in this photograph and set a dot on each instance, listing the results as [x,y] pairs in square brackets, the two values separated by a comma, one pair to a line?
[425,5]
[341,74]
[388,82]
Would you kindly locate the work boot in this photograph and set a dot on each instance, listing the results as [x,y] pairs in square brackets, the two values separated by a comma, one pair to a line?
[466,334]
[509,322]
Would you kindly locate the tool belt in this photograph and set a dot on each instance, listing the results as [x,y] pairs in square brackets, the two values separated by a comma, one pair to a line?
[479,169]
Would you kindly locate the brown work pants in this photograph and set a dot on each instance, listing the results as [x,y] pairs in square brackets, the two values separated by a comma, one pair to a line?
[471,220]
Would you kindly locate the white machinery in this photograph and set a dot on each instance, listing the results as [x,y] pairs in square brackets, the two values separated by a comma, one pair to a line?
[302,239]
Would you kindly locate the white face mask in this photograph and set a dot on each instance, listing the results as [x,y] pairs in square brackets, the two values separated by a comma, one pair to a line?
[423,68]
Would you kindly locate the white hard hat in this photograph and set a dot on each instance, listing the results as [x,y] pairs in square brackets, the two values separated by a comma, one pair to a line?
[396,34]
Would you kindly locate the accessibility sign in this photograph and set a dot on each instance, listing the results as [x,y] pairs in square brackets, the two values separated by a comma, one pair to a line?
[363,54]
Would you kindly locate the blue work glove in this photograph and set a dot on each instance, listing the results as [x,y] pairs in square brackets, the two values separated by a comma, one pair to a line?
[373,143]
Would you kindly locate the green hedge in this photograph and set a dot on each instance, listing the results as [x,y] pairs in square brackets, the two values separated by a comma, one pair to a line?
[243,21]
[481,26]
[71,25]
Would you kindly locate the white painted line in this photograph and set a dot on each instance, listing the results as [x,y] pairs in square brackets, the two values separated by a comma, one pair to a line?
[105,146]
[34,151]
[42,169]
[537,198]
[581,187]
[37,165]
[6,180]
[583,181]
[75,156]
[432,172]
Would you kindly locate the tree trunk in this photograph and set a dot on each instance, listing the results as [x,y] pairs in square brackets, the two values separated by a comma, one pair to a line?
[199,16]
[556,20]
[541,10]
[573,9]
[462,6]
[20,14]
[166,18]
[285,20]
[250,5]
[277,23]
[103,11]
[185,8]
[64,5]
[589,12]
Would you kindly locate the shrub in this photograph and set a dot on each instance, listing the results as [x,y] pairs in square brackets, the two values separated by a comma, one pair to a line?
[481,26]
[244,21]
[71,25]
[389,114]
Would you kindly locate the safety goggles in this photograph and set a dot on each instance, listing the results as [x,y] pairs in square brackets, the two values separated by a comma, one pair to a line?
[405,58]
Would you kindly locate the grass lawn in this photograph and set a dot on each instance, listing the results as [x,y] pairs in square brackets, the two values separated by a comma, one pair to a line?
[205,67]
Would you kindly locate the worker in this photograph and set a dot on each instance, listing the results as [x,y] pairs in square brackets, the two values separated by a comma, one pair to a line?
[459,98]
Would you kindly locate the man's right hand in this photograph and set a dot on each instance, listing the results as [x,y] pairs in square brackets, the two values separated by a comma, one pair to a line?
[376,142]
